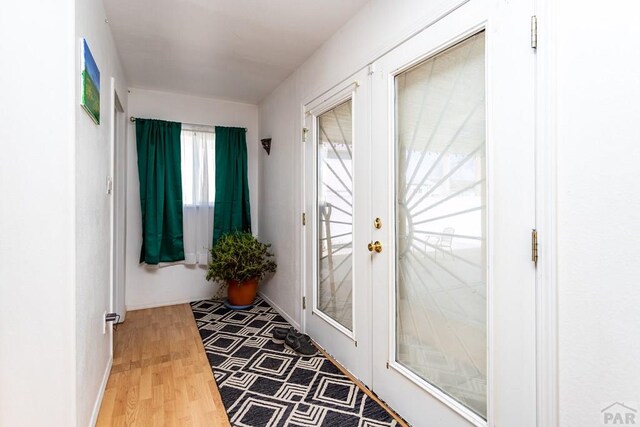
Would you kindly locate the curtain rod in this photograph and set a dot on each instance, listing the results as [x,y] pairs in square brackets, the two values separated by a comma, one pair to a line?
[133,120]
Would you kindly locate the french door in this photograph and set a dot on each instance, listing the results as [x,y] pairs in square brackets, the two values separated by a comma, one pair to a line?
[430,232]
[338,190]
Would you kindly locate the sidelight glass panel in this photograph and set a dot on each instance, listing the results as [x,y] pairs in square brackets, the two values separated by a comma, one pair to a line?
[335,209]
[441,256]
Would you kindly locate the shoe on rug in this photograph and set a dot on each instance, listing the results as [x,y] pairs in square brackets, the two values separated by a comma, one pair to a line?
[300,343]
[279,334]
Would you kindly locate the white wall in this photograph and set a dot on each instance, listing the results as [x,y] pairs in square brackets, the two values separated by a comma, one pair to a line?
[37,215]
[93,212]
[598,156]
[279,198]
[148,287]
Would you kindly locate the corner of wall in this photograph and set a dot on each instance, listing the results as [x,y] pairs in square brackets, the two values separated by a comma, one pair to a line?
[93,205]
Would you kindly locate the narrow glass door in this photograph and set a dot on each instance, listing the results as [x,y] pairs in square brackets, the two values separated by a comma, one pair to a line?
[441,257]
[337,197]
[335,215]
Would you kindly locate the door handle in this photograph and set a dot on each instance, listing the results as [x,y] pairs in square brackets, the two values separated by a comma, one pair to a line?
[375,246]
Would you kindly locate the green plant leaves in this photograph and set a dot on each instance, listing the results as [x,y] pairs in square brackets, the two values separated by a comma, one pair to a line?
[240,256]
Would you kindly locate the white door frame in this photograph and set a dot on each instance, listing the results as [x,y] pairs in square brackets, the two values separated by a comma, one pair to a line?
[546,214]
[118,190]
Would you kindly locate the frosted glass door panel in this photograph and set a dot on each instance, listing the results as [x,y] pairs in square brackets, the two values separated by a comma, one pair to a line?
[335,209]
[441,259]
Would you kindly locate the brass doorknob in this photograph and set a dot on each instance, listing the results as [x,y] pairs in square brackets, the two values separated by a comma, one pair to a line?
[375,246]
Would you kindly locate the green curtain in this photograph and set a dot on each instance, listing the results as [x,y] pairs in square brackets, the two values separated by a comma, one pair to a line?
[158,144]
[231,211]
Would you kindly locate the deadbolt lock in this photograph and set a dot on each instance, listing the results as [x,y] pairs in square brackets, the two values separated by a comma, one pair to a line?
[375,246]
[377,223]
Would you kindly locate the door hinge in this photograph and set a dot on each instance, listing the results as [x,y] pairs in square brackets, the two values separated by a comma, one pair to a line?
[304,303]
[534,246]
[534,32]
[112,317]
[109,185]
[304,218]
[387,365]
[304,134]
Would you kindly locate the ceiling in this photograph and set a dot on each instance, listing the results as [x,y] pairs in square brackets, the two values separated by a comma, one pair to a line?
[237,50]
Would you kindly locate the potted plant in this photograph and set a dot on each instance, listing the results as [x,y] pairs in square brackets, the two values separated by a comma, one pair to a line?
[240,260]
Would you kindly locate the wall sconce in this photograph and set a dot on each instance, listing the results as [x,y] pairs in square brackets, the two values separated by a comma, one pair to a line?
[266,144]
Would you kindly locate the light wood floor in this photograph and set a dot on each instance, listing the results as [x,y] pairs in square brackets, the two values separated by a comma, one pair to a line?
[160,374]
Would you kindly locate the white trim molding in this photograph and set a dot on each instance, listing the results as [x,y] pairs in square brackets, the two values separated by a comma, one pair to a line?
[546,215]
[103,386]
[280,311]
[156,304]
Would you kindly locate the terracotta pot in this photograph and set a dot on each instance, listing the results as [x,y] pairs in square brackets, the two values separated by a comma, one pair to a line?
[243,293]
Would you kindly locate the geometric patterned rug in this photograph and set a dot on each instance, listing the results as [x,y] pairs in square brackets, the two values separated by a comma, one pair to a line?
[263,384]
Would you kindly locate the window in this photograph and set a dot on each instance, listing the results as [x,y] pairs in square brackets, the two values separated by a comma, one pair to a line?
[198,166]
[198,191]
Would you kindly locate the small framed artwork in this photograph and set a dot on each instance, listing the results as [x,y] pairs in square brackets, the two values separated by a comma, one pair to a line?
[90,84]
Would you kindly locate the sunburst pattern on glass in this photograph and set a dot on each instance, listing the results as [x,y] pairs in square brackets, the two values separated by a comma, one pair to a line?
[441,211]
[335,208]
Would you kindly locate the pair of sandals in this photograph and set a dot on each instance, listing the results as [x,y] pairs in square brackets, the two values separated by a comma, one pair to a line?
[294,341]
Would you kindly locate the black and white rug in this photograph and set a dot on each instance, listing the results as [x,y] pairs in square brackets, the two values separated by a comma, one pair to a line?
[263,384]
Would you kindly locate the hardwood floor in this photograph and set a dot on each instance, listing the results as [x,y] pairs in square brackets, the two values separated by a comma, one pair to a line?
[160,374]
